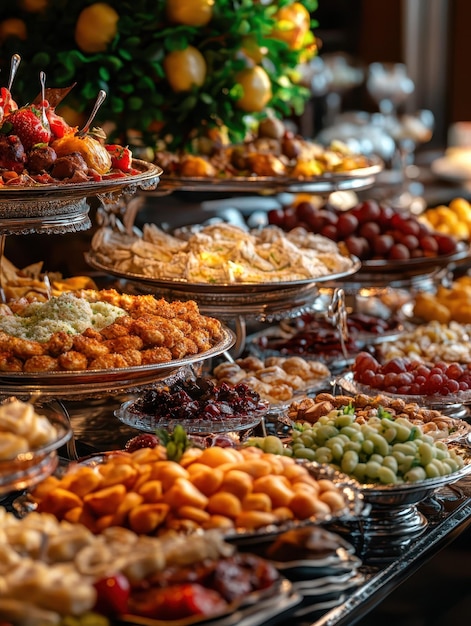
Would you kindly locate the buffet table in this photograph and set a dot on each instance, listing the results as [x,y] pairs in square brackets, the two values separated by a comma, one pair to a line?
[387,561]
[448,514]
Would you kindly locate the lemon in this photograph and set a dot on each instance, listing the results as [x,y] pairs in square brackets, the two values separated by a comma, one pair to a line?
[293,23]
[257,89]
[185,69]
[34,6]
[190,12]
[12,27]
[96,27]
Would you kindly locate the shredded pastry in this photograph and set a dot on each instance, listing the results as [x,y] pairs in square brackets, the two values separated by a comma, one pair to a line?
[221,254]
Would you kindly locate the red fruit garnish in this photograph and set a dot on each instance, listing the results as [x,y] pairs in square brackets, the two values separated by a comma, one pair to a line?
[58,125]
[7,104]
[121,157]
[146,440]
[177,602]
[27,124]
[112,595]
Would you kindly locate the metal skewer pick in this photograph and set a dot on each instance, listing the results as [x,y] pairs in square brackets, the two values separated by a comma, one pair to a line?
[14,64]
[99,101]
[337,313]
[42,80]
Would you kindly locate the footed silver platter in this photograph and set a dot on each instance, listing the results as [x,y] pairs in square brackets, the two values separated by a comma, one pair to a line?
[394,518]
[93,383]
[450,405]
[264,301]
[353,180]
[64,208]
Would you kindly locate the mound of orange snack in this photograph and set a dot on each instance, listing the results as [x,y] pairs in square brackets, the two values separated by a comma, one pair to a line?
[447,304]
[216,487]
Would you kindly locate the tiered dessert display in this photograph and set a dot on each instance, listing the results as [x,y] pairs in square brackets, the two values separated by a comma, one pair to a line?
[49,169]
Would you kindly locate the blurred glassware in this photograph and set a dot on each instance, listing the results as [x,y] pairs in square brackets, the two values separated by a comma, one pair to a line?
[389,85]
[345,75]
[410,130]
[362,133]
[332,75]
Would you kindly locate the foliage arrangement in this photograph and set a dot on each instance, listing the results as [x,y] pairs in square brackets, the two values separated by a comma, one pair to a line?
[172,69]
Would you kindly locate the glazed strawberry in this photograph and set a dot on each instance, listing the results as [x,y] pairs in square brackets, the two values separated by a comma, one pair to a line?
[121,157]
[27,124]
[7,104]
[58,125]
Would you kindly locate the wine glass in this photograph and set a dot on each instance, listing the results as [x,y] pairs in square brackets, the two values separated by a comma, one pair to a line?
[389,85]
[344,74]
[411,130]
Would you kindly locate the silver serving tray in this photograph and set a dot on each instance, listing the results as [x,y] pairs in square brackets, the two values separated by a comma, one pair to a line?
[149,423]
[94,381]
[59,209]
[357,179]
[348,384]
[224,290]
[148,175]
[416,265]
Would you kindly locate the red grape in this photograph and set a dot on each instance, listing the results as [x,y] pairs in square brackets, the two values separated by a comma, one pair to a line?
[347,224]
[429,244]
[396,365]
[411,227]
[330,231]
[305,211]
[291,220]
[453,386]
[399,252]
[367,211]
[369,230]
[378,381]
[385,215]
[357,246]
[382,244]
[446,244]
[390,380]
[276,217]
[411,242]
[454,370]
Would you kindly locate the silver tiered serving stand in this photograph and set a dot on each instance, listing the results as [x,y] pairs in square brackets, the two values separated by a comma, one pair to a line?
[239,303]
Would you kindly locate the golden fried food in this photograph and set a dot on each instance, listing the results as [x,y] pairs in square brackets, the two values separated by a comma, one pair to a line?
[148,331]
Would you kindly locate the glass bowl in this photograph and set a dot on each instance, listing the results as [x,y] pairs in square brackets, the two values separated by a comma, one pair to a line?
[29,468]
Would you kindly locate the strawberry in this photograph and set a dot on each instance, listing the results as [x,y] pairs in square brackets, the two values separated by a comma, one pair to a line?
[121,157]
[58,125]
[7,104]
[27,124]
